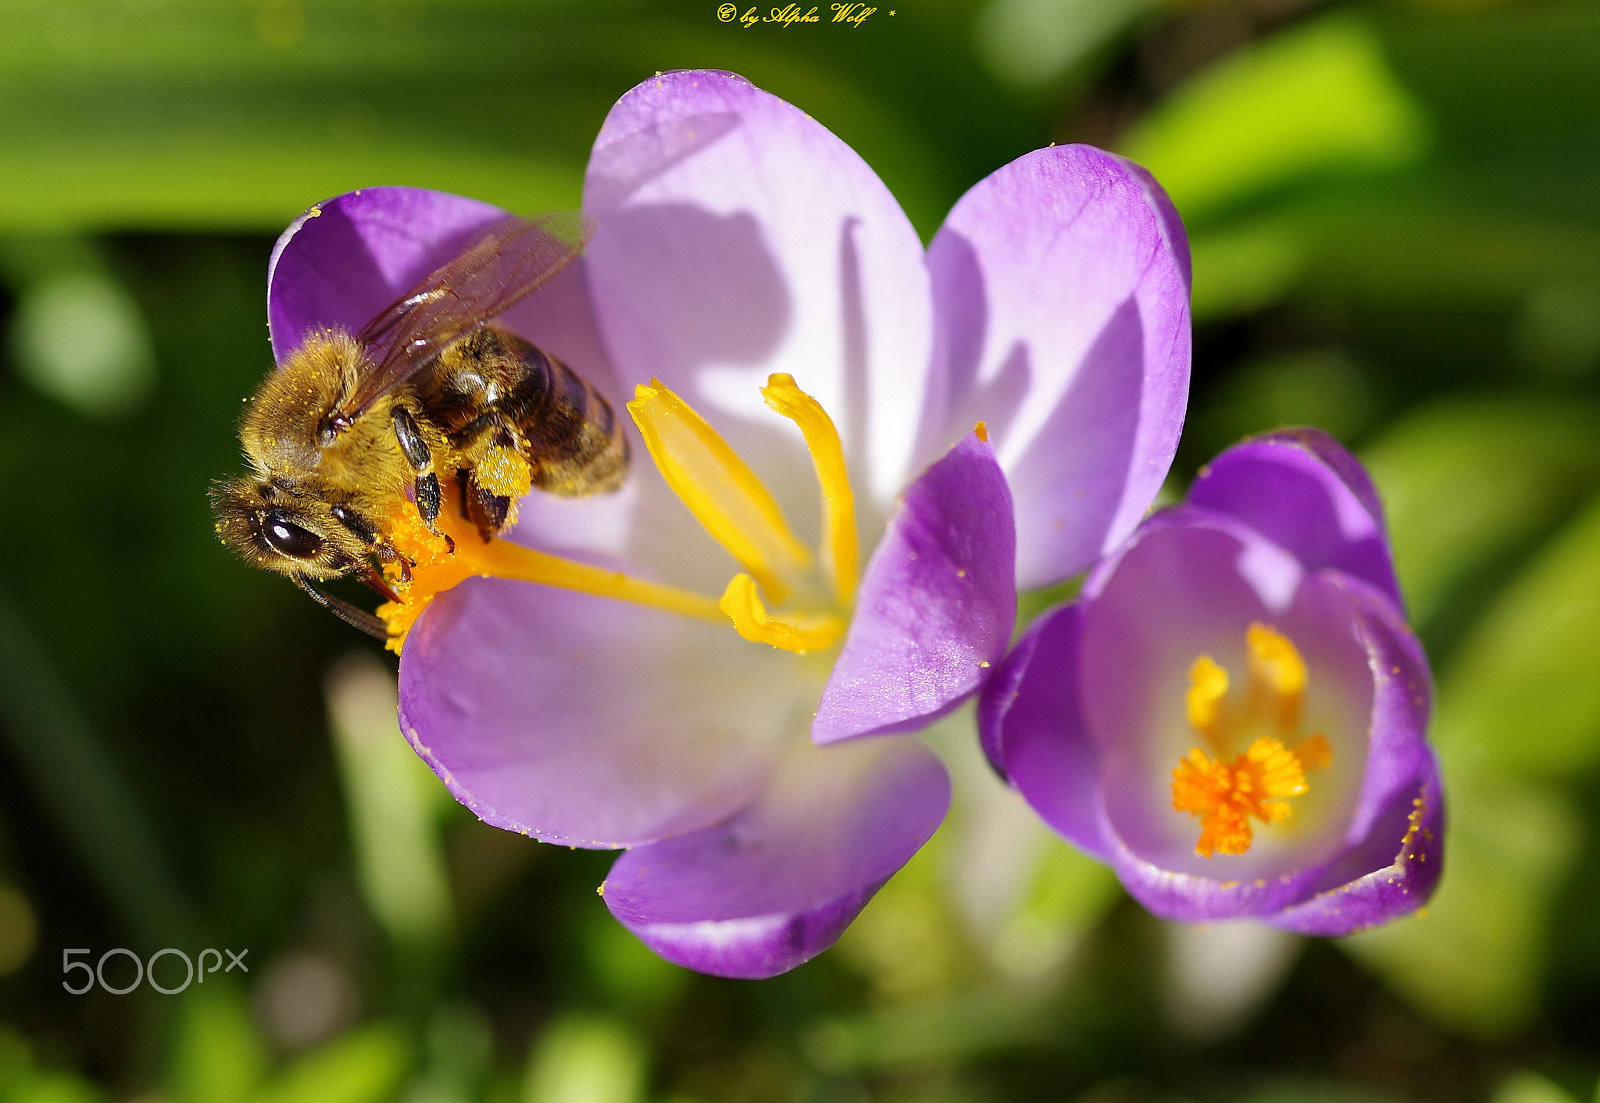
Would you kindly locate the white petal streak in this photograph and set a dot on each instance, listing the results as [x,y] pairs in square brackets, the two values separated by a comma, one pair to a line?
[769,246]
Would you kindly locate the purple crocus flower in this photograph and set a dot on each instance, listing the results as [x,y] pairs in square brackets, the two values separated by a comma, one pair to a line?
[1232,712]
[759,295]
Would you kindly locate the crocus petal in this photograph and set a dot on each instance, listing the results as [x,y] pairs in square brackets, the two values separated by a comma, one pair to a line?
[935,607]
[1061,291]
[344,261]
[1396,835]
[587,721]
[1031,722]
[1302,490]
[738,237]
[1397,888]
[776,884]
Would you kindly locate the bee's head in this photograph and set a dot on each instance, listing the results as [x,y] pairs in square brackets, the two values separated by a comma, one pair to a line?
[290,532]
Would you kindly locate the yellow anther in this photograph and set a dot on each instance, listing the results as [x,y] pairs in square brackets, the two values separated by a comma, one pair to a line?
[827,455]
[800,634]
[719,488]
[1208,685]
[1227,792]
[1277,675]
[437,568]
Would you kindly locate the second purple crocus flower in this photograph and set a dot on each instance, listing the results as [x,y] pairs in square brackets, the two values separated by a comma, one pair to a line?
[1232,713]
[809,384]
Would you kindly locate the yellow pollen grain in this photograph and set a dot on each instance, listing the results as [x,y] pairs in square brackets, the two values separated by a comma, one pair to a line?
[1229,791]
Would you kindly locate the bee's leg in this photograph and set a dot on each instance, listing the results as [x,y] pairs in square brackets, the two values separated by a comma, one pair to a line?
[486,510]
[497,478]
[428,497]
[346,612]
[415,449]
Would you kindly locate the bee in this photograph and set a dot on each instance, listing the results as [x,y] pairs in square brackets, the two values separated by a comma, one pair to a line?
[356,426]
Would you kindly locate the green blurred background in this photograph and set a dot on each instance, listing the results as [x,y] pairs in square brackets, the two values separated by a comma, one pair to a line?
[1395,216]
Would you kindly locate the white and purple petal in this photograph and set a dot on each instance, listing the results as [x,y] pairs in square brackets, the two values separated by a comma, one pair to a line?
[739,237]
[935,607]
[776,884]
[590,722]
[1300,489]
[1061,296]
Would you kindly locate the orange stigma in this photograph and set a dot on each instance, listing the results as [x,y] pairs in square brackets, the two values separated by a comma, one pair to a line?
[1232,788]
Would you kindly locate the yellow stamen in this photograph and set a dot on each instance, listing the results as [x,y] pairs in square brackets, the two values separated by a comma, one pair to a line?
[1227,792]
[827,455]
[722,493]
[719,488]
[437,569]
[1208,685]
[798,634]
[1277,673]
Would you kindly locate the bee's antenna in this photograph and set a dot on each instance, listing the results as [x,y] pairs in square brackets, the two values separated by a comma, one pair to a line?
[346,612]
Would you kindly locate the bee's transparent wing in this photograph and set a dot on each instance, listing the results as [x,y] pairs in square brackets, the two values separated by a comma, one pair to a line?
[501,266]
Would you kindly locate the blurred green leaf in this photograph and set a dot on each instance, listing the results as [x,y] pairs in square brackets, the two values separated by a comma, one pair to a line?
[1314,1092]
[1030,43]
[363,1066]
[217,1056]
[1238,269]
[1465,481]
[934,1033]
[1474,957]
[1530,1087]
[1316,98]
[1321,387]
[1523,690]
[1558,333]
[629,972]
[1507,84]
[459,1049]
[22,1082]
[1411,242]
[191,114]
[394,803]
[65,762]
[585,1059]
[198,114]
[77,335]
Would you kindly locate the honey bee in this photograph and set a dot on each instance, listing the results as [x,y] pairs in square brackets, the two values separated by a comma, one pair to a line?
[354,427]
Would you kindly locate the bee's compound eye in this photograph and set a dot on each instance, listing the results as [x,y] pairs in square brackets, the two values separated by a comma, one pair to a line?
[288,538]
